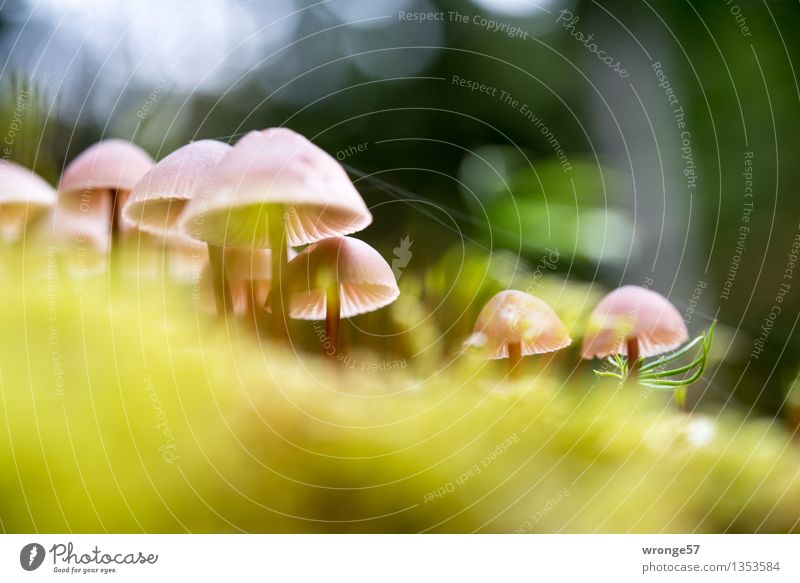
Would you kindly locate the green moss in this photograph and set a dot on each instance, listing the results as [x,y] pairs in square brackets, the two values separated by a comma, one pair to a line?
[129,411]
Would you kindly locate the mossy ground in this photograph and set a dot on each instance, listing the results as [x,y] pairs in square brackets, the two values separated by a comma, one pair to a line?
[123,409]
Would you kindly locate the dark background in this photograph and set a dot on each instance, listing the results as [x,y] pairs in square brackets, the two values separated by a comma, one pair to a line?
[446,166]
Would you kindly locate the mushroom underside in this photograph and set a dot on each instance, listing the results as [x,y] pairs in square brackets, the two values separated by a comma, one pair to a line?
[15,215]
[539,345]
[246,225]
[156,216]
[355,299]
[603,345]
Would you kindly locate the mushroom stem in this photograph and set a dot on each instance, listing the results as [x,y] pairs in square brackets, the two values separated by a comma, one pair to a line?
[222,294]
[332,314]
[118,199]
[115,231]
[793,417]
[276,232]
[116,210]
[633,356]
[253,308]
[514,359]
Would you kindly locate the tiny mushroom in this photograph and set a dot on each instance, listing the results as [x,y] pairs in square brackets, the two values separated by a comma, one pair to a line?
[107,170]
[23,195]
[81,241]
[159,198]
[634,322]
[248,273]
[514,324]
[276,189]
[338,277]
[184,258]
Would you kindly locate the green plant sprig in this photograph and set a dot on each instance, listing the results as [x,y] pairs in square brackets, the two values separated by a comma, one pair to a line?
[650,376]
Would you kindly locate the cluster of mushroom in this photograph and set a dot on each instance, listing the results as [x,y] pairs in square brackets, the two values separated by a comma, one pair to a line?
[249,205]
[631,322]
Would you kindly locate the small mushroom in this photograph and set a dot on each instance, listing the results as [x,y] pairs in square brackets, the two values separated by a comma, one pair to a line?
[276,189]
[23,196]
[635,322]
[159,198]
[81,241]
[107,170]
[338,277]
[514,324]
[248,273]
[185,258]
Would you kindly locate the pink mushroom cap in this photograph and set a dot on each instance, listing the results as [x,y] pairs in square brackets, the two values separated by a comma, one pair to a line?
[276,167]
[107,165]
[365,281]
[633,312]
[23,195]
[513,316]
[160,196]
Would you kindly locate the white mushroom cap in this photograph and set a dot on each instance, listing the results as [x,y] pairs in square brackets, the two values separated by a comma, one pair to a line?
[269,167]
[366,282]
[513,316]
[107,165]
[160,196]
[23,195]
[633,312]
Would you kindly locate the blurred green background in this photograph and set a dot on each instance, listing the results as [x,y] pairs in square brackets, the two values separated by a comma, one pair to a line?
[581,172]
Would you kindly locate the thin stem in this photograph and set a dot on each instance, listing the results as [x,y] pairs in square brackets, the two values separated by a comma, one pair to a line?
[793,418]
[332,314]
[116,210]
[222,294]
[680,399]
[671,372]
[633,356]
[673,356]
[276,231]
[514,359]
[165,262]
[118,199]
[253,313]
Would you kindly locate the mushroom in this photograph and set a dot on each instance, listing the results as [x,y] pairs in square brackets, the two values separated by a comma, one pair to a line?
[161,195]
[82,241]
[634,322]
[276,189]
[107,170]
[248,273]
[338,277]
[514,324]
[23,195]
[185,258]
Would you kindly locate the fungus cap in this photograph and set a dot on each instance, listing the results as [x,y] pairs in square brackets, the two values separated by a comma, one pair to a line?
[276,167]
[107,165]
[23,194]
[632,312]
[513,316]
[365,281]
[160,196]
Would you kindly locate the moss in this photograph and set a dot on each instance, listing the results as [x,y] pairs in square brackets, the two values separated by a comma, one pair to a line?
[128,411]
